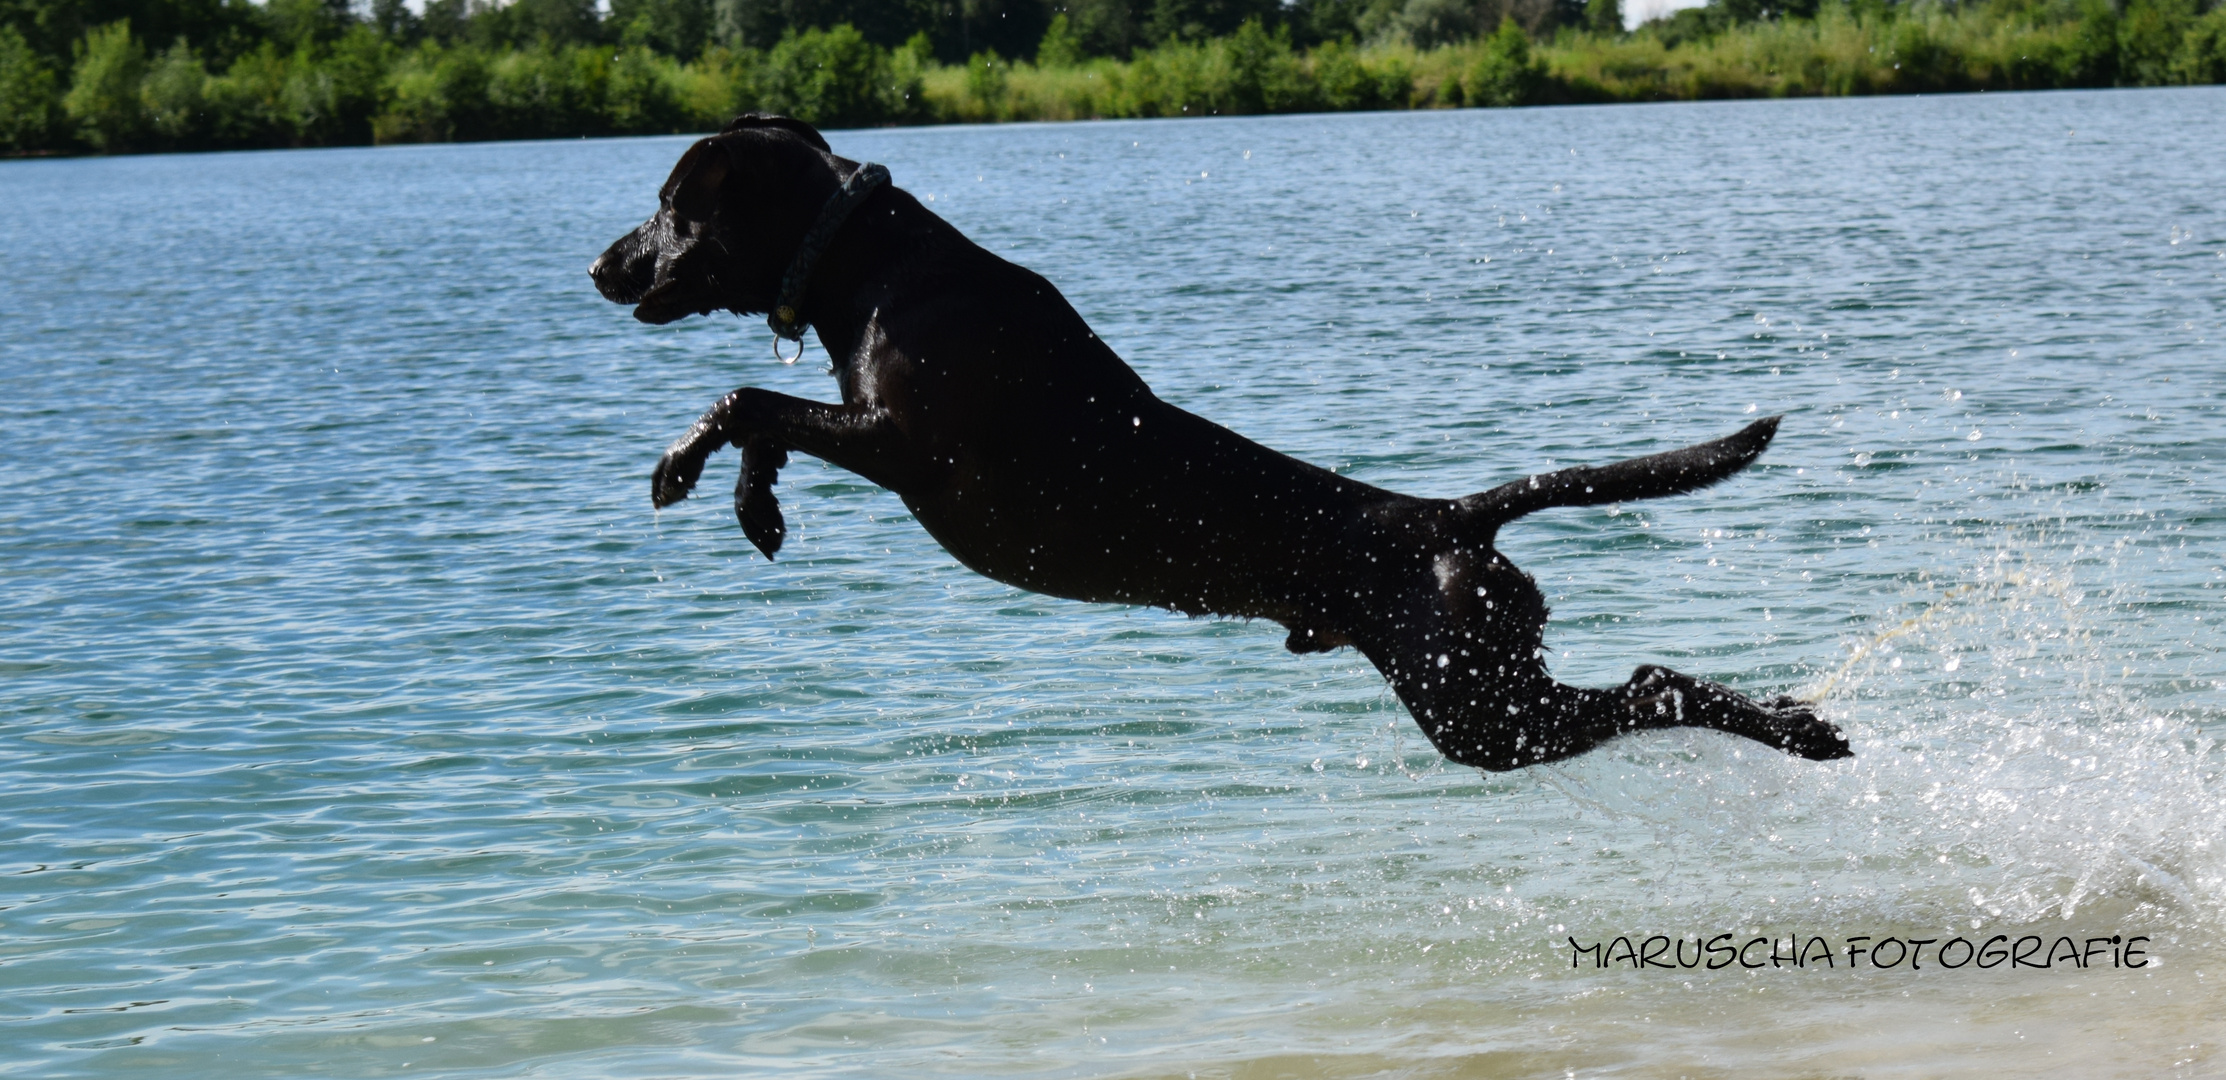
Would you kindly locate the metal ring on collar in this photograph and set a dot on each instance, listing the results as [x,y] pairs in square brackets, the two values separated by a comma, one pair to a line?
[787,359]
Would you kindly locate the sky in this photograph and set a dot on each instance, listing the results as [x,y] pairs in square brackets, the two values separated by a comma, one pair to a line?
[1639,11]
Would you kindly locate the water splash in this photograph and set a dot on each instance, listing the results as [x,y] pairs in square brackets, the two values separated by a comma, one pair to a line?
[2004,773]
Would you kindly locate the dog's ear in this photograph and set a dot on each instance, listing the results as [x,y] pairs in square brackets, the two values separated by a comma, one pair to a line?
[693,188]
[797,128]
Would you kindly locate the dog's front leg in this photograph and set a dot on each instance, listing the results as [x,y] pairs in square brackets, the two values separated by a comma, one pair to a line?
[766,426]
[754,504]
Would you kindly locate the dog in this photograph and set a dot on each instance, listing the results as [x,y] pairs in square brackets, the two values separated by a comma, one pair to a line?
[1035,456]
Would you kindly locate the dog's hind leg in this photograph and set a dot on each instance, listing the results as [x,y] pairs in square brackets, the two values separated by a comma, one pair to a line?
[766,426]
[1467,660]
[1666,698]
[1509,723]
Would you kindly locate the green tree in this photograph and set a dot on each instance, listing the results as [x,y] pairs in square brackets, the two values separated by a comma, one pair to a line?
[1105,27]
[447,21]
[436,94]
[908,68]
[247,103]
[332,96]
[1197,20]
[523,24]
[1264,75]
[295,23]
[1061,47]
[1505,73]
[2092,59]
[29,95]
[394,21]
[175,93]
[1604,17]
[548,92]
[832,77]
[2202,56]
[1341,79]
[988,82]
[639,97]
[2149,37]
[1432,23]
[104,88]
[677,28]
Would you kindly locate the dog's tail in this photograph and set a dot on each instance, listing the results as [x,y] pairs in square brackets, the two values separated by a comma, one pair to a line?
[1653,476]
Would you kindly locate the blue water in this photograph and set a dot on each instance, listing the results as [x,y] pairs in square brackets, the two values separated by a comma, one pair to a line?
[359,717]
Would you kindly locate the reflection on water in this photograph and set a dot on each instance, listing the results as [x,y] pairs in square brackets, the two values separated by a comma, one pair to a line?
[362,718]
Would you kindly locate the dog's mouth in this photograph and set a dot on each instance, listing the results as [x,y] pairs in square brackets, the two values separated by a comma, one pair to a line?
[672,301]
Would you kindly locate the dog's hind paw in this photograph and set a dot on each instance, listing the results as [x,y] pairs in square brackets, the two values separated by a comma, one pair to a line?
[1794,727]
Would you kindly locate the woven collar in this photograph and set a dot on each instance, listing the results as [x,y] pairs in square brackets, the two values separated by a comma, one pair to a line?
[785,320]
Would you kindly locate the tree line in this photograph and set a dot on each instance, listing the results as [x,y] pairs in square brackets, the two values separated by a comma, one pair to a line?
[148,75]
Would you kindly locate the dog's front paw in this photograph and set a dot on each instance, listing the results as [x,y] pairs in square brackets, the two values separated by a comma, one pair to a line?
[754,504]
[760,514]
[676,473]
[1794,727]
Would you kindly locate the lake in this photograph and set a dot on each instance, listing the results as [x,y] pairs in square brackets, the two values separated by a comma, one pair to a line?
[361,718]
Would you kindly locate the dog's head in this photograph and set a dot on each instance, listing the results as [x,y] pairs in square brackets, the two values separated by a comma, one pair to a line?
[729,219]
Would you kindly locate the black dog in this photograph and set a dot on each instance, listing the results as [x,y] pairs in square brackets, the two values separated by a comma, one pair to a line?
[1035,456]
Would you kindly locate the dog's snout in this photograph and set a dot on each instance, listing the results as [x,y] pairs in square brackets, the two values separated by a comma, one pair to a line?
[622,273]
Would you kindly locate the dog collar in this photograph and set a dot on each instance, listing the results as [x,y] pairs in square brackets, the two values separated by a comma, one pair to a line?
[784,318]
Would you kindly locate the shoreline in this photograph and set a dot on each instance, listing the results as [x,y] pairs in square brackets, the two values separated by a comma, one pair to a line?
[362,88]
[78,155]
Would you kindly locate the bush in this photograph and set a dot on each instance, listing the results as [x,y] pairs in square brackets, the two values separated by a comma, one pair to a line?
[1505,73]
[830,78]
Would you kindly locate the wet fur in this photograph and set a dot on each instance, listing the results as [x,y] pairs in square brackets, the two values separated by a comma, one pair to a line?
[1038,458]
